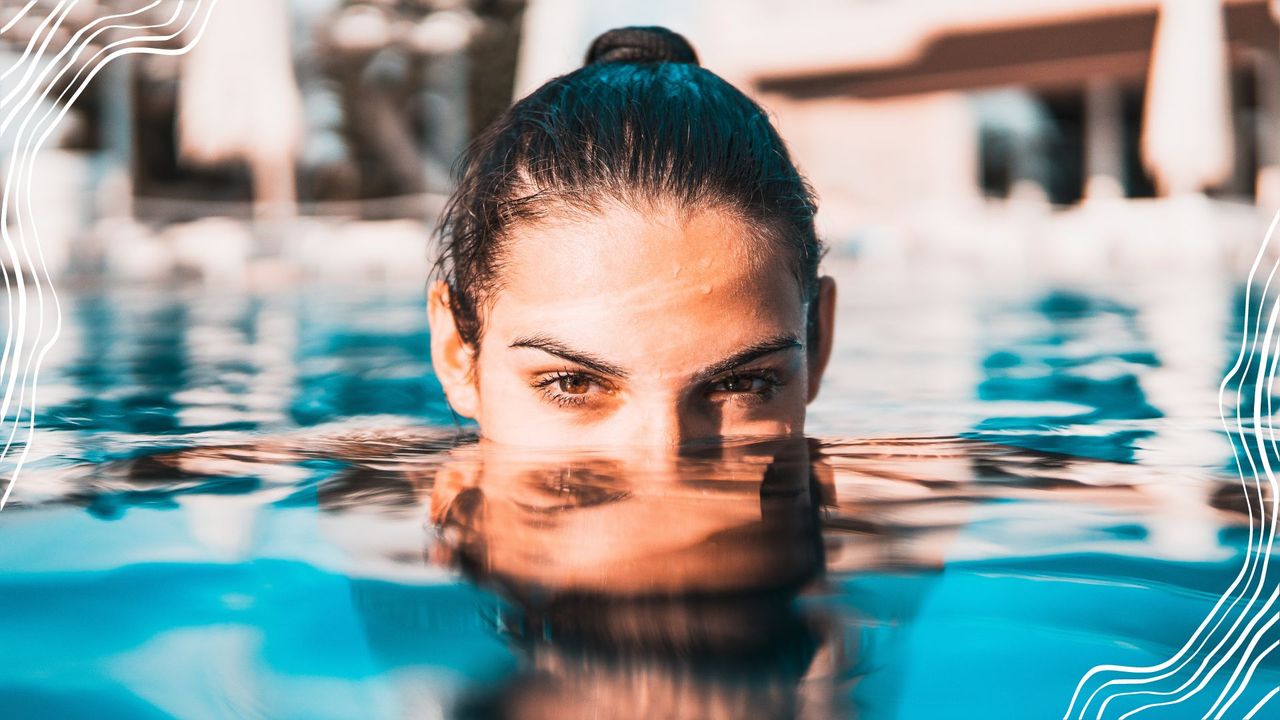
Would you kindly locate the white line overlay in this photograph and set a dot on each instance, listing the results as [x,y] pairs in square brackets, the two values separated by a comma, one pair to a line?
[30,113]
[1227,640]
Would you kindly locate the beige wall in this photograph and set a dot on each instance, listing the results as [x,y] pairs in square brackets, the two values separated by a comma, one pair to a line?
[870,159]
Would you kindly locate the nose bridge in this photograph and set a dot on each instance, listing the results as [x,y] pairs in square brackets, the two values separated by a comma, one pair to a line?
[660,422]
[665,425]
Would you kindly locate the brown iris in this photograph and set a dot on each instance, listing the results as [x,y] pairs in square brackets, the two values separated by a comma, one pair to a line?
[574,385]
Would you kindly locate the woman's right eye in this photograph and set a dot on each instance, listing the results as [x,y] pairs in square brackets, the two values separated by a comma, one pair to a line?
[568,388]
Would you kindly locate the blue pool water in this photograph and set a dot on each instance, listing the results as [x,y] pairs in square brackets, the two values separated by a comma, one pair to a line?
[258,505]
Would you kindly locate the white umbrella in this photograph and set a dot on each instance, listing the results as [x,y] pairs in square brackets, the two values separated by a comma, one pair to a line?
[1187,133]
[238,99]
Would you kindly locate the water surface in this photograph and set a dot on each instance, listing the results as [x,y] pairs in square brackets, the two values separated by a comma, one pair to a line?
[259,505]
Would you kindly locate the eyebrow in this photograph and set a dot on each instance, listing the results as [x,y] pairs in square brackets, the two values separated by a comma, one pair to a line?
[552,346]
[752,352]
[747,354]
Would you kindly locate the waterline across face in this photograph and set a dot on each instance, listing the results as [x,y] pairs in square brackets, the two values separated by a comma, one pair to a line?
[658,328]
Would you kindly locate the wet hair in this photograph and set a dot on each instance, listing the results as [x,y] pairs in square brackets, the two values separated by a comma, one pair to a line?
[642,124]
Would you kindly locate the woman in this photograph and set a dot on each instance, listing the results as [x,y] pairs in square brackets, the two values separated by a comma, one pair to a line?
[630,259]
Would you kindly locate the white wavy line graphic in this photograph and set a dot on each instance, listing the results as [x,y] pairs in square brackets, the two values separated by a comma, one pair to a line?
[18,16]
[1251,580]
[23,356]
[1265,699]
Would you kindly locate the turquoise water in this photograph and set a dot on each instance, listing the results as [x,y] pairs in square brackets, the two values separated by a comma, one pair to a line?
[259,506]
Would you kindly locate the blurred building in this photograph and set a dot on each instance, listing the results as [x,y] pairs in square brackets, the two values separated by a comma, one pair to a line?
[900,104]
[1079,99]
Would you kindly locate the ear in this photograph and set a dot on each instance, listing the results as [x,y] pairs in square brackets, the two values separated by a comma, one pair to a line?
[457,513]
[820,351]
[454,476]
[452,360]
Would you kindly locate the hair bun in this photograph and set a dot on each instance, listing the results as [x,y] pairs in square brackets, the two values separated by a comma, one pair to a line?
[641,45]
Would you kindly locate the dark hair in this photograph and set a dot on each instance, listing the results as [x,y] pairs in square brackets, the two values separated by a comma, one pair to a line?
[641,122]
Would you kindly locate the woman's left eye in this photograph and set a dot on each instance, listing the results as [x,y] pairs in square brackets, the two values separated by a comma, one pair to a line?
[746,383]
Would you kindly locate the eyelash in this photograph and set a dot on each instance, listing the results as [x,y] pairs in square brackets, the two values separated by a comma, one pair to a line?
[546,385]
[772,381]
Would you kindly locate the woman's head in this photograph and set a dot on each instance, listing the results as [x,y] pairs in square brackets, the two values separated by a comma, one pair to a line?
[630,257]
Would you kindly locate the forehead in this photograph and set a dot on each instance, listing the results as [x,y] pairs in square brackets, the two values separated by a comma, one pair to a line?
[658,274]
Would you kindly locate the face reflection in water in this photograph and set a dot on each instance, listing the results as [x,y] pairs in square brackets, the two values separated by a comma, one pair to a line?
[627,328]
[660,591]
[624,586]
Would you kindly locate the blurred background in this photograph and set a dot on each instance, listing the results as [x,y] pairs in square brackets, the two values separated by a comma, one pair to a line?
[306,138]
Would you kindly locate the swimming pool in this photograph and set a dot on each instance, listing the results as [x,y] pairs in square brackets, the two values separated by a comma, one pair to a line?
[247,505]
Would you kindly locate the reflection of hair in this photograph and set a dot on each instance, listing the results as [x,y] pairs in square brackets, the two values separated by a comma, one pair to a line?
[747,651]
[640,123]
[745,648]
[750,664]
